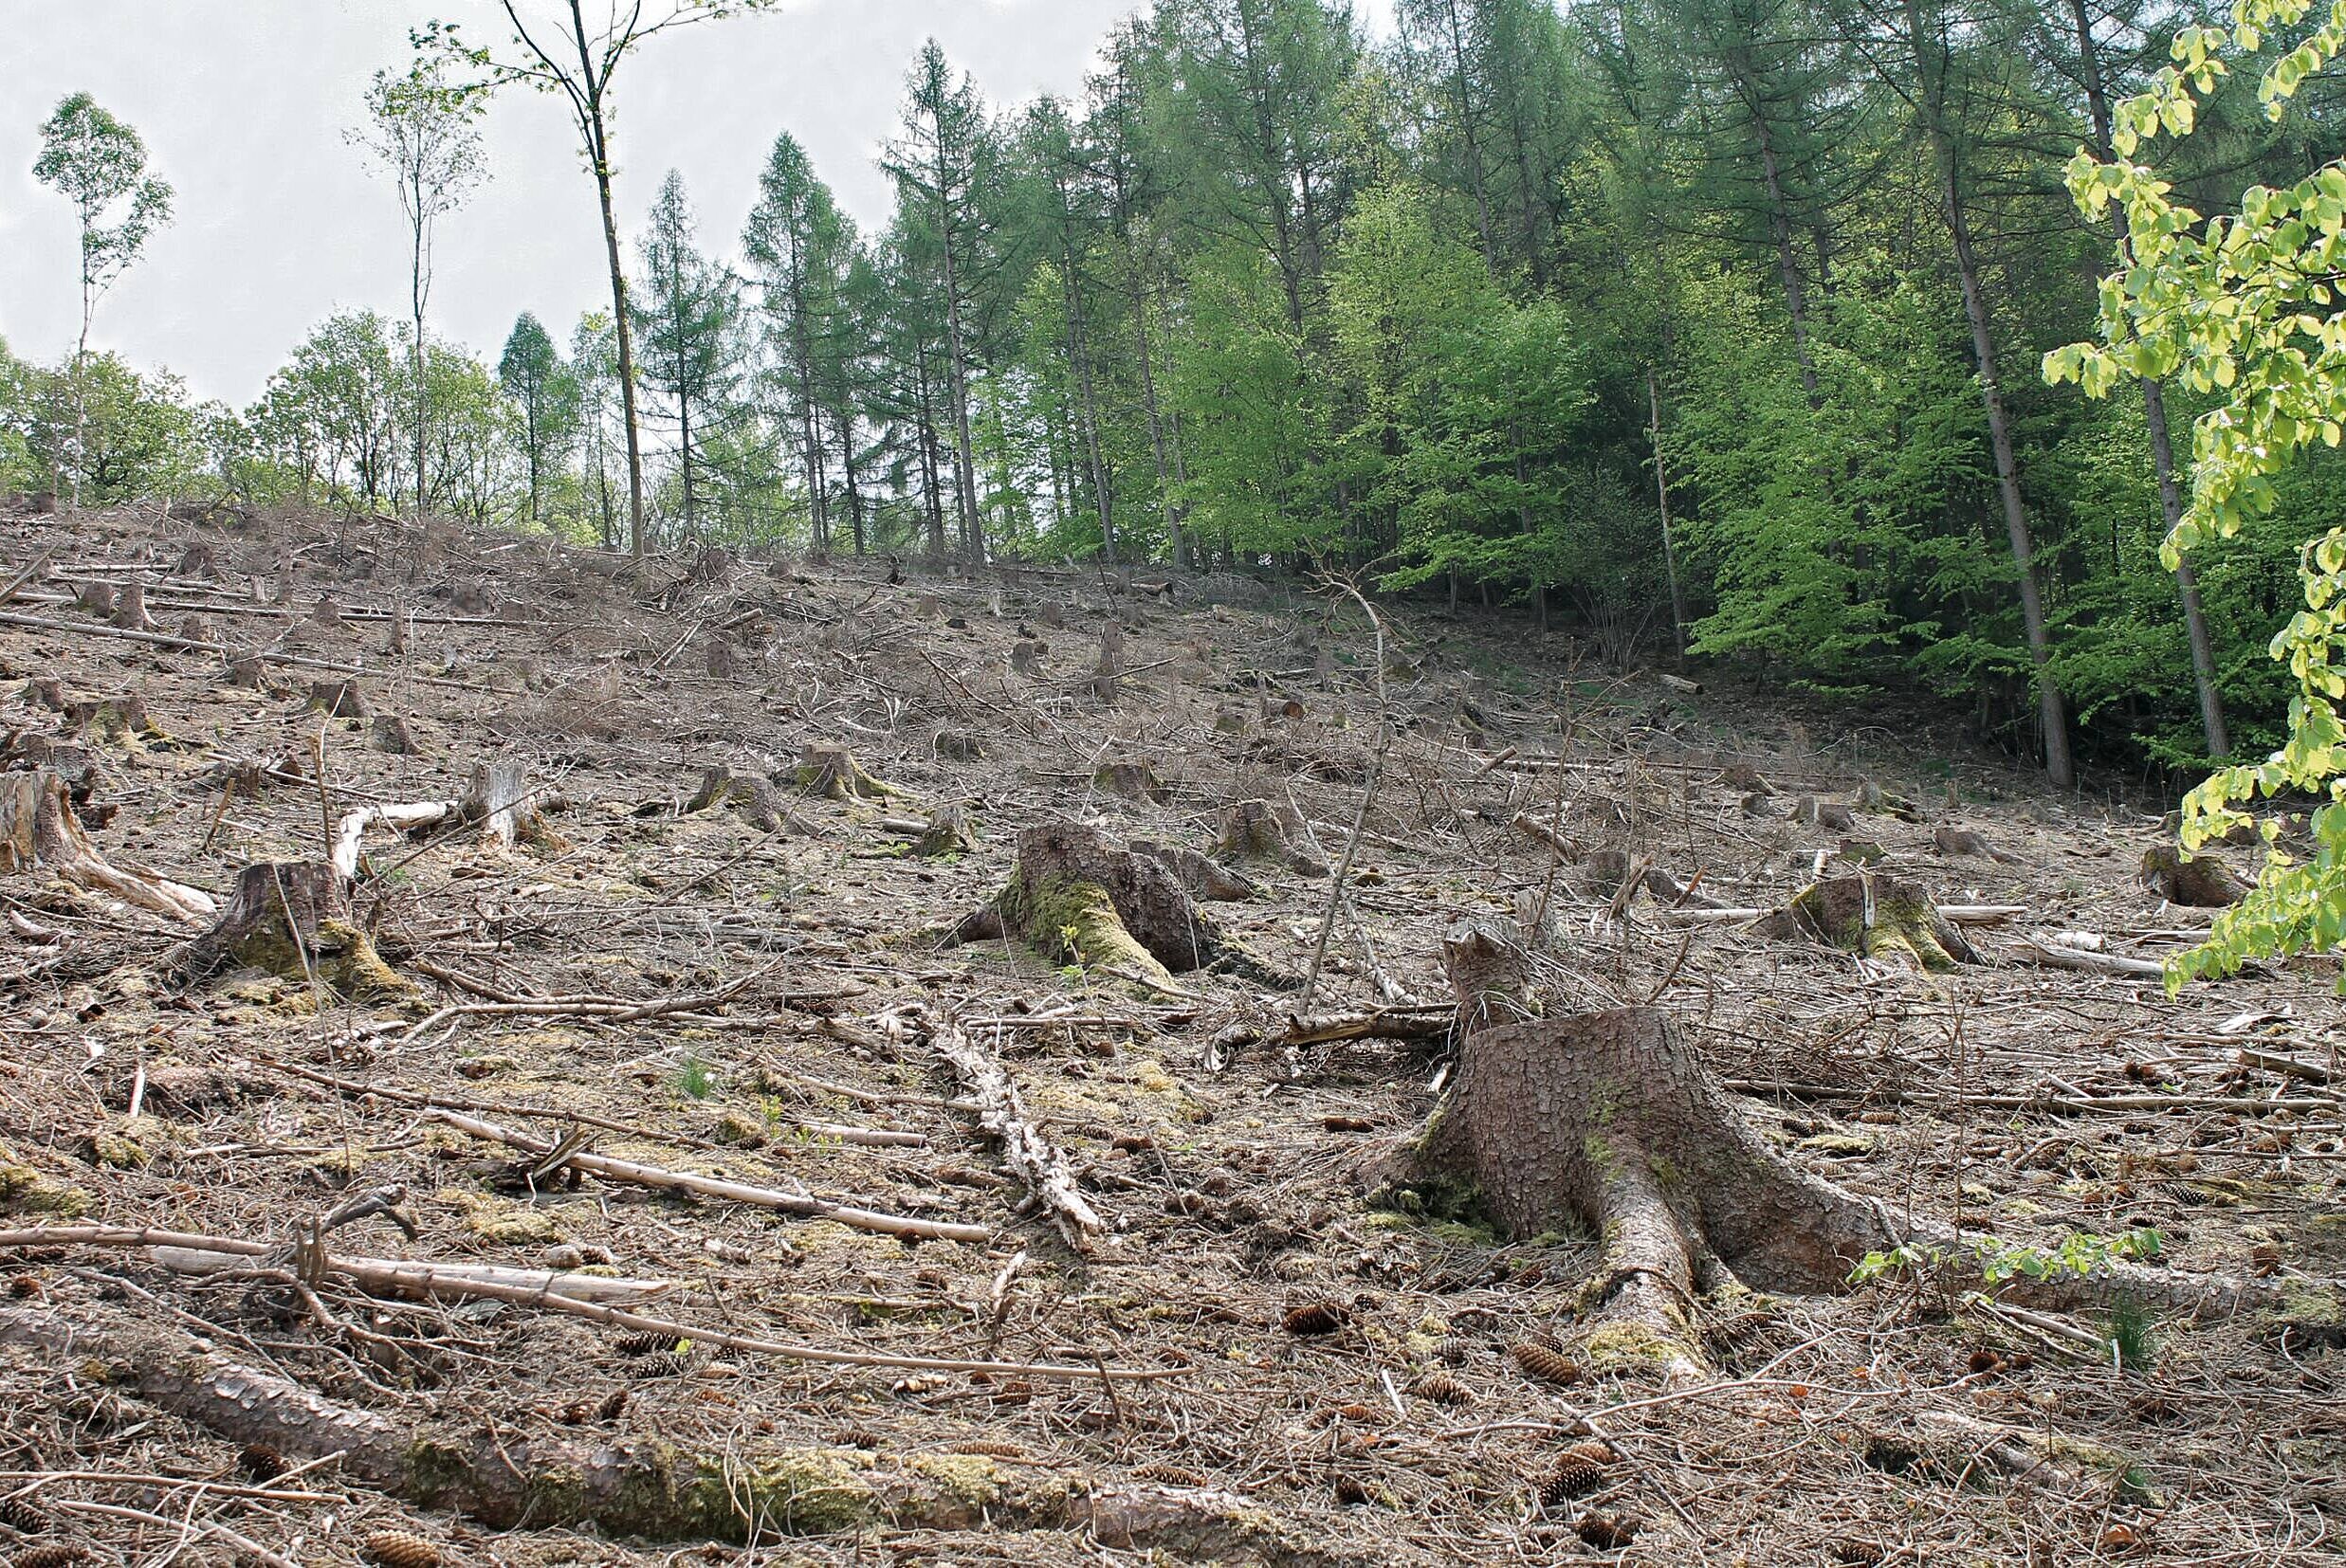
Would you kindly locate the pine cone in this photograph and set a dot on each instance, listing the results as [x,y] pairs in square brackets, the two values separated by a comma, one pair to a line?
[259,1462]
[1352,1490]
[1856,1553]
[1573,1476]
[399,1549]
[1318,1318]
[1545,1361]
[57,1554]
[988,1448]
[641,1344]
[1443,1389]
[1607,1534]
[613,1406]
[1171,1475]
[23,1515]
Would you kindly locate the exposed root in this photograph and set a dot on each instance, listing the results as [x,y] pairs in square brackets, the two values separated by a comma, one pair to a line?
[40,832]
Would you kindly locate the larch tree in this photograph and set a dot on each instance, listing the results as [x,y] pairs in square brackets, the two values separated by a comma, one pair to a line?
[689,317]
[531,372]
[99,164]
[798,242]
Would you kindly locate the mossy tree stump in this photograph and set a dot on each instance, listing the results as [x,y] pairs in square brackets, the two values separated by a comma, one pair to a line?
[1875,916]
[292,918]
[40,830]
[500,801]
[1609,1120]
[951,831]
[754,796]
[1076,899]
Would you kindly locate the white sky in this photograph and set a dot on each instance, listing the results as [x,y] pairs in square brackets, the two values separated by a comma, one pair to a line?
[243,104]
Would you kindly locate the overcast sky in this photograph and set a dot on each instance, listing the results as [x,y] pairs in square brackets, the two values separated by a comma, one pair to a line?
[244,105]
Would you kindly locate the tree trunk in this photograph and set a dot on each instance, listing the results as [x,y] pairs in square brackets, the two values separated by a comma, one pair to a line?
[1474,148]
[966,456]
[2051,710]
[2155,417]
[1662,494]
[1779,225]
[1609,1122]
[620,320]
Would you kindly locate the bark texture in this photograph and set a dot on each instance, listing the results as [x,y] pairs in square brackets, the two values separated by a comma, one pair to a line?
[1077,898]
[293,920]
[651,1490]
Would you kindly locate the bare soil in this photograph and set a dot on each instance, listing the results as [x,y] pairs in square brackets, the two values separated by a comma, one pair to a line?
[1886,1423]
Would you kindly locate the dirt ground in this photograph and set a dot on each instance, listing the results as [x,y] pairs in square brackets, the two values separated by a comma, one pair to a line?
[774,973]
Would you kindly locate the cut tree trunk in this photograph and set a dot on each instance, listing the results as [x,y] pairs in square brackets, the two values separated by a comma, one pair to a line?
[1875,916]
[130,611]
[1078,900]
[2199,882]
[1259,831]
[1610,1121]
[950,832]
[40,832]
[756,797]
[651,1489]
[508,810]
[292,918]
[832,773]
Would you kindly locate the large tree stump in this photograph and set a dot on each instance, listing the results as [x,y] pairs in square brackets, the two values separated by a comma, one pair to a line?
[1609,1122]
[39,830]
[2198,881]
[130,611]
[1876,917]
[292,918]
[1078,900]
[950,832]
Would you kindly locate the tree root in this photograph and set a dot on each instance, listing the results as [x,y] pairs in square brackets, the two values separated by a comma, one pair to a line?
[1610,1121]
[648,1489]
[39,830]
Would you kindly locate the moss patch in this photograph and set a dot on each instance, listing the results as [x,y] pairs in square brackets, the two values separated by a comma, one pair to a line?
[27,1190]
[1071,921]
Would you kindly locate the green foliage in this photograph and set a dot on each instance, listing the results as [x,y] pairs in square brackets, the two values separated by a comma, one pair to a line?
[2242,310]
[98,164]
[2078,1255]
[138,435]
[695,1078]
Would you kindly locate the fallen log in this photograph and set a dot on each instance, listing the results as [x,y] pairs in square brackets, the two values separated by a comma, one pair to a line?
[634,1173]
[653,1490]
[2052,953]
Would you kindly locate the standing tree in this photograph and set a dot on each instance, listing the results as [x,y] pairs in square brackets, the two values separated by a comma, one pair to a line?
[798,241]
[689,317]
[546,394]
[594,372]
[937,166]
[578,60]
[98,164]
[422,131]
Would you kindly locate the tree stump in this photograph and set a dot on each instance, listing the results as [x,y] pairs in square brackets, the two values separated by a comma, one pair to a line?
[292,918]
[46,691]
[94,598]
[832,773]
[339,700]
[198,628]
[1831,816]
[950,832]
[1744,776]
[498,800]
[724,659]
[1876,917]
[130,611]
[1107,674]
[1259,830]
[1961,843]
[246,670]
[2199,882]
[756,797]
[960,745]
[39,830]
[1130,782]
[1026,656]
[122,721]
[391,734]
[1078,900]
[1204,877]
[198,561]
[1610,1121]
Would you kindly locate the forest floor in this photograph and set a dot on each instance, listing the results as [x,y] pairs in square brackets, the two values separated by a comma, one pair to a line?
[775,977]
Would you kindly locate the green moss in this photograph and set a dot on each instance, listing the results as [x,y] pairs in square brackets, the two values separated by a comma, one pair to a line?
[27,1190]
[341,956]
[973,1482]
[2310,1315]
[1839,1145]
[1072,922]
[1628,1344]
